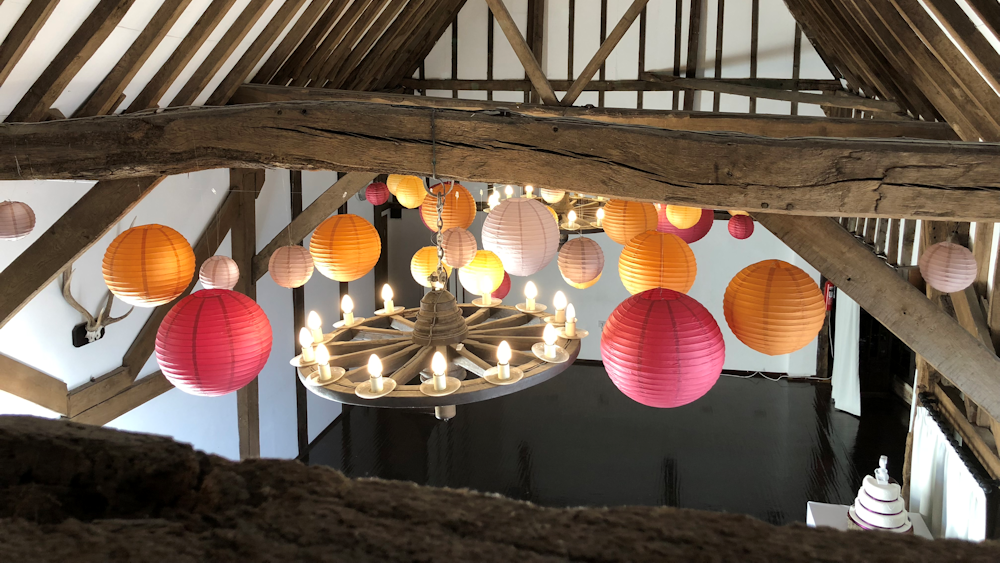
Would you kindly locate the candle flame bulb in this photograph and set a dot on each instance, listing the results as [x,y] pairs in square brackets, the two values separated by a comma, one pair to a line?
[438,364]
[560,303]
[509,190]
[571,218]
[348,307]
[549,335]
[315,325]
[306,341]
[375,373]
[530,189]
[600,215]
[386,292]
[503,353]
[570,312]
[530,293]
[323,359]
[570,328]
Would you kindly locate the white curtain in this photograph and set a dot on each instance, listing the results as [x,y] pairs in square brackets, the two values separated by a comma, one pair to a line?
[942,489]
[846,380]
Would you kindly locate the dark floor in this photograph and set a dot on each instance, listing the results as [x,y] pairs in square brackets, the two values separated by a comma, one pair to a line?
[750,446]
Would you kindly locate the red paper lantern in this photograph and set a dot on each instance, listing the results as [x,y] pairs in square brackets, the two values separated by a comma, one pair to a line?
[504,288]
[694,234]
[377,193]
[741,226]
[213,342]
[662,348]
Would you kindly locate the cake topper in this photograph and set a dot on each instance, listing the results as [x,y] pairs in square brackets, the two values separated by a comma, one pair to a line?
[882,474]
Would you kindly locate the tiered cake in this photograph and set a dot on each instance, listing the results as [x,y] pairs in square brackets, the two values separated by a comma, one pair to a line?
[878,506]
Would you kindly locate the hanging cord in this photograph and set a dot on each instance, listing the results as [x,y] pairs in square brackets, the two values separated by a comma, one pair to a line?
[439,279]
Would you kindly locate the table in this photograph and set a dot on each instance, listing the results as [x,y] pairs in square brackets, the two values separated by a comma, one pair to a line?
[835,516]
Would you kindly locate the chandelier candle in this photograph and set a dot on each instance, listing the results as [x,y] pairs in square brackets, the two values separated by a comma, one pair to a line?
[389,306]
[315,325]
[509,191]
[323,359]
[439,368]
[375,373]
[600,217]
[549,336]
[530,190]
[503,360]
[571,219]
[306,341]
[560,303]
[347,304]
[486,289]
[530,293]
[570,328]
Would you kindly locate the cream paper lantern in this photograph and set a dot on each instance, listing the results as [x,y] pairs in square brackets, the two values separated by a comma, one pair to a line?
[485,266]
[948,267]
[17,219]
[552,196]
[581,262]
[521,232]
[683,217]
[291,266]
[219,272]
[460,247]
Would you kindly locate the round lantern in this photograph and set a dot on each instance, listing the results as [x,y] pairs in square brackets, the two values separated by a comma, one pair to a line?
[552,196]
[485,264]
[377,193]
[460,247]
[774,307]
[581,262]
[694,234]
[521,233]
[738,212]
[424,263]
[148,265]
[291,266]
[555,216]
[683,217]
[409,191]
[741,226]
[626,219]
[213,342]
[948,267]
[504,288]
[655,259]
[345,247]
[662,348]
[459,208]
[219,272]
[392,181]
[17,219]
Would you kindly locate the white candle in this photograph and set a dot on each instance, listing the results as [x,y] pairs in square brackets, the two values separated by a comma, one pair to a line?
[600,216]
[549,336]
[503,360]
[347,304]
[375,373]
[389,306]
[486,289]
[559,301]
[571,219]
[323,359]
[530,293]
[439,367]
[530,190]
[570,320]
[509,191]
[315,325]
[306,341]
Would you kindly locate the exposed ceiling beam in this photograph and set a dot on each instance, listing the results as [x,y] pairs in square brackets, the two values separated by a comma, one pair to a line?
[23,33]
[804,176]
[32,385]
[531,67]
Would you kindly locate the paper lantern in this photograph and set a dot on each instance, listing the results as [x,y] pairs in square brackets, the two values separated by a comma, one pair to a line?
[683,217]
[213,342]
[409,191]
[662,348]
[555,216]
[486,264]
[694,234]
[424,263]
[741,226]
[393,180]
[948,267]
[17,219]
[148,265]
[581,262]
[459,208]
[774,307]
[377,193]
[345,247]
[552,196]
[738,212]
[655,259]
[521,233]
[626,219]
[460,247]
[219,272]
[504,288]
[291,266]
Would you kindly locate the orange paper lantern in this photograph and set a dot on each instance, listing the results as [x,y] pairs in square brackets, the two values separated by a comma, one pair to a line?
[460,247]
[657,260]
[459,208]
[683,217]
[626,219]
[219,272]
[291,266]
[774,307]
[581,262]
[486,264]
[148,265]
[409,191]
[17,219]
[345,247]
[424,263]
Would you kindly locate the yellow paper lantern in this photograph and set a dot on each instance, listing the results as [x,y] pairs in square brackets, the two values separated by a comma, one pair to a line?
[626,219]
[485,263]
[683,217]
[735,212]
[149,265]
[657,260]
[424,263]
[409,191]
[459,208]
[392,181]
[345,247]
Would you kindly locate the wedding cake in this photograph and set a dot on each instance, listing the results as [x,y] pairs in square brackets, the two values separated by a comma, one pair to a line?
[878,506]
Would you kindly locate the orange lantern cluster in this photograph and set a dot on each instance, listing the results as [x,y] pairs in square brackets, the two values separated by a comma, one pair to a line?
[149,265]
[459,208]
[345,247]
[657,260]
[626,219]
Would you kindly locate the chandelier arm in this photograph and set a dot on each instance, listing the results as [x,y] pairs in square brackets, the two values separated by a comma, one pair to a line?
[412,367]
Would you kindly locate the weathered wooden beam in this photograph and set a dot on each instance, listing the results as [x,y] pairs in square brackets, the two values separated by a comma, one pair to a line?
[665,83]
[28,383]
[763,125]
[343,26]
[244,240]
[813,176]
[293,65]
[412,54]
[531,66]
[299,320]
[603,52]
[338,68]
[136,394]
[291,40]
[23,33]
[900,307]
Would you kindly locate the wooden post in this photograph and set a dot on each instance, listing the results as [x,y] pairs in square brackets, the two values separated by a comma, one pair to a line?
[298,321]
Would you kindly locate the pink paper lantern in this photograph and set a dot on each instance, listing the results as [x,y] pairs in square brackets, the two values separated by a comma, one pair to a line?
[662,348]
[694,234]
[581,262]
[948,267]
[213,342]
[219,272]
[460,247]
[504,288]
[291,266]
[17,219]
[741,226]
[522,233]
[377,193]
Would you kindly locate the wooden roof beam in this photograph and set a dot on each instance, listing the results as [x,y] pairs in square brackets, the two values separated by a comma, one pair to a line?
[291,40]
[339,66]
[531,67]
[293,66]
[345,24]
[23,33]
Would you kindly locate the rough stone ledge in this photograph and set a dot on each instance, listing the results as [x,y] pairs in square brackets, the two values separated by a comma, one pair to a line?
[70,492]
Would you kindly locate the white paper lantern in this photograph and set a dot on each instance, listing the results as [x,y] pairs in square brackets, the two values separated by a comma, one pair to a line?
[948,267]
[219,272]
[16,220]
[521,232]
[460,247]
[291,266]
[581,262]
[552,196]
